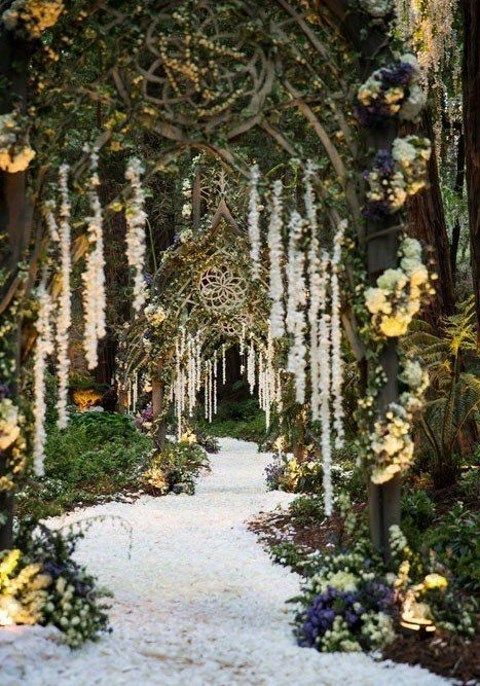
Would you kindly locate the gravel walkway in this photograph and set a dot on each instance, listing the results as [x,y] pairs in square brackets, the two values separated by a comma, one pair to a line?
[197,603]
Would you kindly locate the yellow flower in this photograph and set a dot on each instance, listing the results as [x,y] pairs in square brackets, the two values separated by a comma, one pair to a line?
[188,437]
[393,326]
[435,581]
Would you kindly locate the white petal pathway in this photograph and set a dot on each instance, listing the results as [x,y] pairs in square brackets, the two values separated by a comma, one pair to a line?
[197,603]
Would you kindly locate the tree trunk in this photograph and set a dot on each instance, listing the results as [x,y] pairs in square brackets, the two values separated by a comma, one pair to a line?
[426,221]
[158,395]
[471,127]
[458,188]
[15,221]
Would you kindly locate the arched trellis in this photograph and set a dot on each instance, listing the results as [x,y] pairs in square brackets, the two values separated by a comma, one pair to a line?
[272,98]
[203,289]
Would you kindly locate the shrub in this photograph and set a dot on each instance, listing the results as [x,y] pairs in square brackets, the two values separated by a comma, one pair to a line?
[307,509]
[346,605]
[418,513]
[175,468]
[455,538]
[98,454]
[43,584]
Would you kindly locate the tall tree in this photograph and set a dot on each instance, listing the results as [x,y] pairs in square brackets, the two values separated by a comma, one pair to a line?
[15,222]
[471,124]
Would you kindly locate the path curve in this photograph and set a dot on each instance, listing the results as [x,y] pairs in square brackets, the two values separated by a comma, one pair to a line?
[198,603]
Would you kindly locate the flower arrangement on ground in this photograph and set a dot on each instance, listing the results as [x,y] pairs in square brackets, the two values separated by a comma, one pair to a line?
[40,583]
[176,467]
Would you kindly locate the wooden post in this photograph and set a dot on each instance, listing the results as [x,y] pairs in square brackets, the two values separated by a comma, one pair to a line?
[158,396]
[15,221]
[381,254]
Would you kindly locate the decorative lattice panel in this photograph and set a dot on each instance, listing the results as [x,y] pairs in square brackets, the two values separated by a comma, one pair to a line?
[222,289]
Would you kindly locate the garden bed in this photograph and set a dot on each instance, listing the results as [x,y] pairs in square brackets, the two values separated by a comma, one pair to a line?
[290,539]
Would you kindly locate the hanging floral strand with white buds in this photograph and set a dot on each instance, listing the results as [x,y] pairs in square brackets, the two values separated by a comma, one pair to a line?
[315,287]
[254,221]
[136,218]
[324,380]
[64,316]
[94,297]
[44,347]
[296,303]
[275,245]
[336,333]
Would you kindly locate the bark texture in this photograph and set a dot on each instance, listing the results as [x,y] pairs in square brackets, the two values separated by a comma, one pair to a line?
[471,123]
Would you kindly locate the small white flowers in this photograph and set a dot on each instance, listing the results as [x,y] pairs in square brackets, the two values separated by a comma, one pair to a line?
[44,347]
[64,306]
[94,297]
[275,244]
[136,218]
[296,303]
[254,221]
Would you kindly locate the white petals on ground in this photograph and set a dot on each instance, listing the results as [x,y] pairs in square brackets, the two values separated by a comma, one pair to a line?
[197,603]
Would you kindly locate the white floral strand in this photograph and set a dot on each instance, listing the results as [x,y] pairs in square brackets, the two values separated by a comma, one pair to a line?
[296,302]
[136,242]
[315,288]
[44,347]
[275,244]
[64,317]
[254,221]
[251,367]
[324,383]
[94,297]
[337,362]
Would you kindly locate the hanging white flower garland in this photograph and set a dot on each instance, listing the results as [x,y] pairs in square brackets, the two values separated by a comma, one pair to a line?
[314,287]
[94,297]
[44,347]
[64,317]
[296,303]
[275,244]
[324,380]
[254,221]
[336,333]
[136,217]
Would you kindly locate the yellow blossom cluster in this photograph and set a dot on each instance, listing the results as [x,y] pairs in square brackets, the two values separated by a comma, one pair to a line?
[398,294]
[15,152]
[155,315]
[35,16]
[391,444]
[22,590]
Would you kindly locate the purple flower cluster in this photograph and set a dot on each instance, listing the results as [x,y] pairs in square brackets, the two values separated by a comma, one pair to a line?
[4,391]
[273,474]
[384,166]
[145,416]
[319,617]
[351,606]
[379,109]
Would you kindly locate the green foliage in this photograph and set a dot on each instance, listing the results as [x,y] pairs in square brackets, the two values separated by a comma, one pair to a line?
[307,509]
[98,454]
[287,554]
[418,513]
[208,442]
[469,484]
[241,419]
[175,468]
[454,397]
[455,538]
